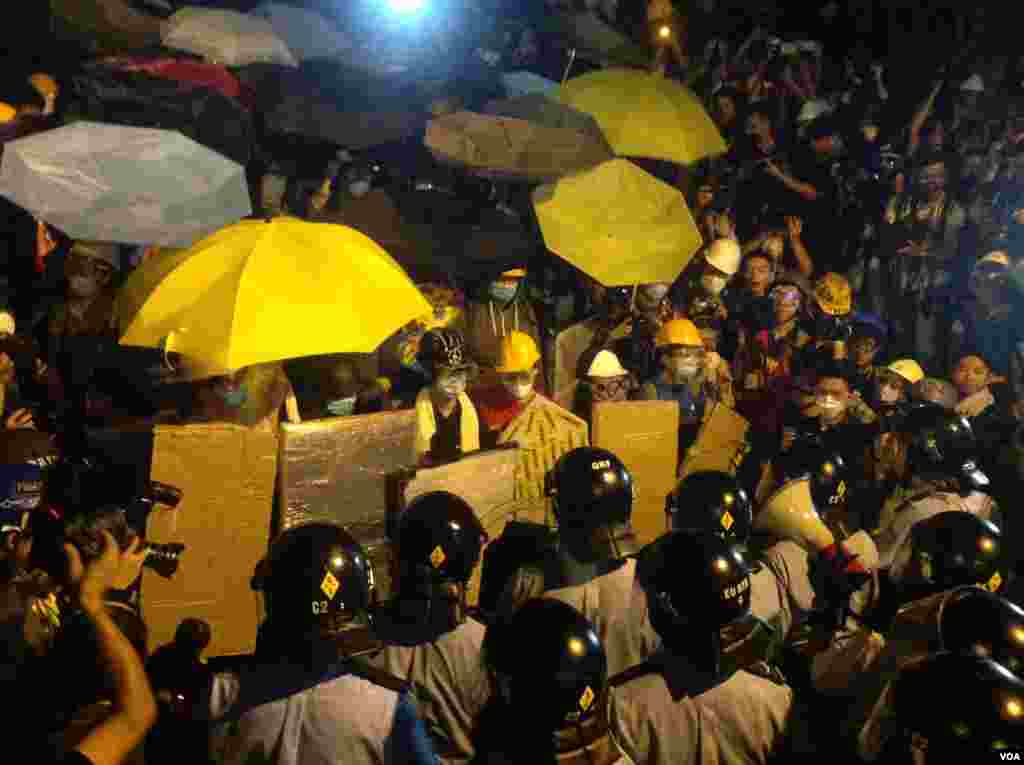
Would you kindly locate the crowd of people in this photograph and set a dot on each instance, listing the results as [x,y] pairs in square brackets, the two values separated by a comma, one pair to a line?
[847,587]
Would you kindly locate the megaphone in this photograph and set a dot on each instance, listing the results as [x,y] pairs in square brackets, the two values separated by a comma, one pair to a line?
[789,513]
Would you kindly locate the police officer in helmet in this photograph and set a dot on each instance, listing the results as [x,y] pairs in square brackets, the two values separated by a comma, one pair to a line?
[316,582]
[696,585]
[430,641]
[712,501]
[551,700]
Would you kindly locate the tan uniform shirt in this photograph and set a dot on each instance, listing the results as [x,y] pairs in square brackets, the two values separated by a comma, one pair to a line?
[451,686]
[742,721]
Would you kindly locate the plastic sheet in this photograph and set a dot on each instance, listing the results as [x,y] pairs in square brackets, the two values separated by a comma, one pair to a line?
[307,34]
[226,37]
[122,184]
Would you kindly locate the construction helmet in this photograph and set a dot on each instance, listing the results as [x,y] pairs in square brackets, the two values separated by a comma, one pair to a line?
[908,369]
[679,332]
[316,579]
[948,550]
[518,353]
[725,255]
[7,113]
[606,364]
[833,293]
[514,273]
[44,84]
[561,677]
[440,535]
[981,710]
[710,500]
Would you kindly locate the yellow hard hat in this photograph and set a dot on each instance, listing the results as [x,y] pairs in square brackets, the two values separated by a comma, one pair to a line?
[908,369]
[679,332]
[514,273]
[833,294]
[44,84]
[7,113]
[518,353]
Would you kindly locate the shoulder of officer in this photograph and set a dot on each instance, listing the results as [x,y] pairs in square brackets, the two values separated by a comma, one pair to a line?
[362,668]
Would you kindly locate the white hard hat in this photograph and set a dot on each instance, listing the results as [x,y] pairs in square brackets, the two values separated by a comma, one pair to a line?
[605,364]
[974,84]
[725,255]
[7,325]
[813,109]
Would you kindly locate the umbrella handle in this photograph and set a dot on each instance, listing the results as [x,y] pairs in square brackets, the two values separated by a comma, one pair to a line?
[568,67]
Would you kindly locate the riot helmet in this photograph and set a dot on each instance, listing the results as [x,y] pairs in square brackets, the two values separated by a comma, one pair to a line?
[825,471]
[942,443]
[710,500]
[592,495]
[950,550]
[976,621]
[439,533]
[549,664]
[981,709]
[316,580]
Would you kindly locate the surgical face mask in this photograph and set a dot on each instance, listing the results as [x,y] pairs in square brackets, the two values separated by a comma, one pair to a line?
[503,293]
[684,364]
[774,248]
[234,398]
[888,393]
[359,188]
[519,386]
[452,385]
[342,407]
[83,286]
[714,284]
[829,404]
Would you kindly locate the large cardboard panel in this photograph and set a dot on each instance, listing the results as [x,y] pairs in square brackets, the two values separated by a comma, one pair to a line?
[645,436]
[486,480]
[721,443]
[227,475]
[336,470]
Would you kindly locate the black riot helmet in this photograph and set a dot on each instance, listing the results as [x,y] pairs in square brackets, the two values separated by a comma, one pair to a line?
[976,621]
[440,535]
[710,500]
[942,443]
[967,708]
[696,583]
[593,501]
[316,580]
[825,471]
[550,666]
[951,549]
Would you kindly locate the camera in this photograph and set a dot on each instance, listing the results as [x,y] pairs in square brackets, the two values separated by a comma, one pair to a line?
[83,532]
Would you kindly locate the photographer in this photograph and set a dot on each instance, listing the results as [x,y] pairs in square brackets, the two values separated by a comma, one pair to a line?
[134,708]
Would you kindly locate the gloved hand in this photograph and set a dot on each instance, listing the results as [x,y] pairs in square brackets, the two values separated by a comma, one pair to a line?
[835,575]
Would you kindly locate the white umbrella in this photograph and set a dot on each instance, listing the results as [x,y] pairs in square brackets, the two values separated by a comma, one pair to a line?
[228,38]
[123,184]
[307,34]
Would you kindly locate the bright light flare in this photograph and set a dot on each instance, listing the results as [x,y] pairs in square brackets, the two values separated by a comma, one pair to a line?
[407,7]
[665,32]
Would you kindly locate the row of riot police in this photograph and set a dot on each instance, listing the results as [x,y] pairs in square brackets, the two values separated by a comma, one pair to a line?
[751,632]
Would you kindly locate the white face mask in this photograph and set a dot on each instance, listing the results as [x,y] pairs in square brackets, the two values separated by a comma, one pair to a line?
[342,407]
[829,405]
[452,387]
[684,370]
[714,284]
[83,286]
[888,394]
[359,188]
[519,391]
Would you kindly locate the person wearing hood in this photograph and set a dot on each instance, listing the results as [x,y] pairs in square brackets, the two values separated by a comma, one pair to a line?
[867,340]
[651,309]
[499,308]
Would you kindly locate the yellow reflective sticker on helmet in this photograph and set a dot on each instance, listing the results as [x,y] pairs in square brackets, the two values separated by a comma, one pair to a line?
[330,585]
[437,557]
[993,584]
[841,489]
[727,520]
[587,699]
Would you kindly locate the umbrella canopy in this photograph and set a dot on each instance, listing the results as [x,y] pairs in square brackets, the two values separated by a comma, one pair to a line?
[618,225]
[263,291]
[356,130]
[225,37]
[596,42]
[104,26]
[122,184]
[307,34]
[189,72]
[504,147]
[527,84]
[644,115]
[543,111]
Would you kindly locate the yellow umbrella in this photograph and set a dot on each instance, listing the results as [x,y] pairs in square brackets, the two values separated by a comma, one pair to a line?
[644,115]
[618,224]
[260,291]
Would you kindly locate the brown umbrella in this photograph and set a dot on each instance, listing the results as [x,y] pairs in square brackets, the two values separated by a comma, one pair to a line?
[508,148]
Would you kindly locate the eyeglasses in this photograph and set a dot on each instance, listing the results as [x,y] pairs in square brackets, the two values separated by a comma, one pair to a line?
[786,295]
[609,388]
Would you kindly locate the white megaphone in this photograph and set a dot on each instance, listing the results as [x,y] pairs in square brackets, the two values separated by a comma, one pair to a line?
[789,514]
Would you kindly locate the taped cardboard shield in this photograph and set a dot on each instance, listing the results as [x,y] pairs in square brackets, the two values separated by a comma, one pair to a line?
[645,436]
[485,480]
[544,432]
[226,474]
[721,443]
[570,345]
[336,471]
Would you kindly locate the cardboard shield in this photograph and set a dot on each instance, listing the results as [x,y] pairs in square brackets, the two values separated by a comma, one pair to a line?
[721,443]
[335,470]
[485,480]
[544,432]
[570,345]
[645,436]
